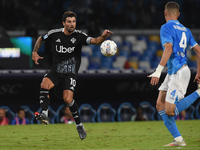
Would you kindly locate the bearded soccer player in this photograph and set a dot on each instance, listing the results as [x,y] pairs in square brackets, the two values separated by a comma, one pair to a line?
[67,44]
[175,37]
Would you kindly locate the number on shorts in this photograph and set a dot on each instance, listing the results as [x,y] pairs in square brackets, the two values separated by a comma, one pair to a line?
[173,93]
[73,82]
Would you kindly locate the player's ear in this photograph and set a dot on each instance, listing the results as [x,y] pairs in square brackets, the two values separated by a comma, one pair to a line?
[165,13]
[178,14]
[63,23]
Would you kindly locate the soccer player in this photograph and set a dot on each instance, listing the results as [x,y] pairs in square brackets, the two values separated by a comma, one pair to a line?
[175,38]
[67,43]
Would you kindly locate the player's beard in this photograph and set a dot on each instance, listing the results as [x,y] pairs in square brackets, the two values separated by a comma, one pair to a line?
[71,29]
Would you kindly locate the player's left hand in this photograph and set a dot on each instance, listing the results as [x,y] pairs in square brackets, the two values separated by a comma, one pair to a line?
[107,33]
[197,78]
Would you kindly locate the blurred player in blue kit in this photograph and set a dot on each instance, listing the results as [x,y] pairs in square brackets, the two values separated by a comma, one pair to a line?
[175,38]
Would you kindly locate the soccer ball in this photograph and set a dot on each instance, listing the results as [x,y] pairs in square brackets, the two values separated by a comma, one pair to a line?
[108,48]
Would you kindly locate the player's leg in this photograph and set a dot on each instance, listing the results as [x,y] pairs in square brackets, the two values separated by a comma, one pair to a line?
[182,104]
[46,85]
[68,93]
[48,82]
[68,99]
[181,79]
[169,121]
[160,103]
[187,101]
[177,87]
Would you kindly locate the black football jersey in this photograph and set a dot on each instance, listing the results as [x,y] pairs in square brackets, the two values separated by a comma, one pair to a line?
[66,49]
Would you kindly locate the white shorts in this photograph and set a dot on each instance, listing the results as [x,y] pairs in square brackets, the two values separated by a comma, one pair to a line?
[176,85]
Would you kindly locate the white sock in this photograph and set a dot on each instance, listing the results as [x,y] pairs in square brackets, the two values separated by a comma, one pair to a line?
[198,91]
[79,124]
[45,112]
[179,139]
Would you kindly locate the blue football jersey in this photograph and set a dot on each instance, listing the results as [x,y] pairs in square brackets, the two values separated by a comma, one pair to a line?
[180,37]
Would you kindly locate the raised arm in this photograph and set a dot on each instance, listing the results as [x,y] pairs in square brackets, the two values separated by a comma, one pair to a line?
[37,46]
[196,48]
[165,57]
[100,39]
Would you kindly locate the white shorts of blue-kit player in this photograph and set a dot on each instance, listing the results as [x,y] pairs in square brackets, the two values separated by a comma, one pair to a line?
[176,85]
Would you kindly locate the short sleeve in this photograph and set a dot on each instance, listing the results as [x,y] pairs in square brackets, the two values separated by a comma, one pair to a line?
[192,42]
[165,35]
[47,36]
[85,39]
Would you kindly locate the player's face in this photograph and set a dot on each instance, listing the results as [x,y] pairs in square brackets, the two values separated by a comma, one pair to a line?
[70,24]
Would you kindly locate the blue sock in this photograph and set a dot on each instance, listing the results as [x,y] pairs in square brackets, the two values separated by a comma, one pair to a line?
[186,102]
[169,122]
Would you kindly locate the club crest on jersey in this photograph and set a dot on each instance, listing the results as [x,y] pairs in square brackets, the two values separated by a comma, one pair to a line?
[73,40]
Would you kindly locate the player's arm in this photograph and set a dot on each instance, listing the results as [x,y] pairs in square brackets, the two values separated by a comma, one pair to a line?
[36,48]
[166,54]
[100,39]
[165,57]
[196,48]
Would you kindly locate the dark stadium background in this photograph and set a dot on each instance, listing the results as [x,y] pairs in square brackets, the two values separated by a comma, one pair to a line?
[20,79]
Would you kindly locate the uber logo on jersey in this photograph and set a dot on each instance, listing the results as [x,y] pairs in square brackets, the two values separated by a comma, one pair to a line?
[62,49]
[73,40]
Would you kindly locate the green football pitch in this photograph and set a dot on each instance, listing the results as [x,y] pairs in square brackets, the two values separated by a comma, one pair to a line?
[145,135]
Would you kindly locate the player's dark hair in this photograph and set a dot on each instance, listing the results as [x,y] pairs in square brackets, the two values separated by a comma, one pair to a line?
[172,6]
[68,14]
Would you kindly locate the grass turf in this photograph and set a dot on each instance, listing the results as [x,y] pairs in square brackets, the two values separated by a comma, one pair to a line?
[116,136]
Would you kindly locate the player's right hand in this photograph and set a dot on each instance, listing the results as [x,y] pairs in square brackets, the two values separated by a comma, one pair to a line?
[106,33]
[154,77]
[197,78]
[36,57]
[154,80]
